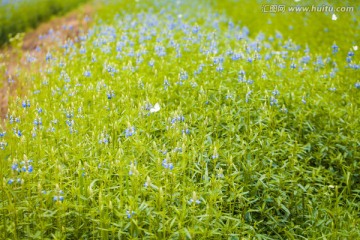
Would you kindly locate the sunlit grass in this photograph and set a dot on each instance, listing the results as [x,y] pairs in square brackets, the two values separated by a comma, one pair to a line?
[172,123]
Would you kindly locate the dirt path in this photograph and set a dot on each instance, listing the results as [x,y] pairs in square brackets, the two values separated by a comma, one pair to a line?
[35,45]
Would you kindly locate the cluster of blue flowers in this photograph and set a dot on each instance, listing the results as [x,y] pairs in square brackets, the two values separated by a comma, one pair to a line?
[167,165]
[59,197]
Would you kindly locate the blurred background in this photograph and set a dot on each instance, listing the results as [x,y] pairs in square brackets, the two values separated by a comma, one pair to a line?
[315,27]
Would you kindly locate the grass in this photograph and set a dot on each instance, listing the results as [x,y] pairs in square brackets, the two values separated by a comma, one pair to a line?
[314,29]
[22,15]
[166,122]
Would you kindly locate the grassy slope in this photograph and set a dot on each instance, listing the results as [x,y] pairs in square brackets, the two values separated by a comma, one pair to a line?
[284,171]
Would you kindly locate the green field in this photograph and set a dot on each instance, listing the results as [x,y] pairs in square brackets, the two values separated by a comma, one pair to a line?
[21,15]
[189,120]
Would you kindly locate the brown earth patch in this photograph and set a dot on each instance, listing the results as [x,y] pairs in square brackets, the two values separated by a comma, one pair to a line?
[35,44]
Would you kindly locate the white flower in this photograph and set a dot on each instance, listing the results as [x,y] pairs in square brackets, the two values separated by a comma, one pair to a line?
[334,17]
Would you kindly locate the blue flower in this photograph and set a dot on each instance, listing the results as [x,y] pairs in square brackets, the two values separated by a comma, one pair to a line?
[178,149]
[305,59]
[14,166]
[275,92]
[87,73]
[194,199]
[151,63]
[248,94]
[164,163]
[104,140]
[177,119]
[69,114]
[82,50]
[357,85]
[59,197]
[167,165]
[129,131]
[25,104]
[48,56]
[195,29]
[129,214]
[335,48]
[3,145]
[166,84]
[184,75]
[250,81]
[110,95]
[273,101]
[38,122]
[319,61]
[219,68]
[18,133]
[186,131]
[236,56]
